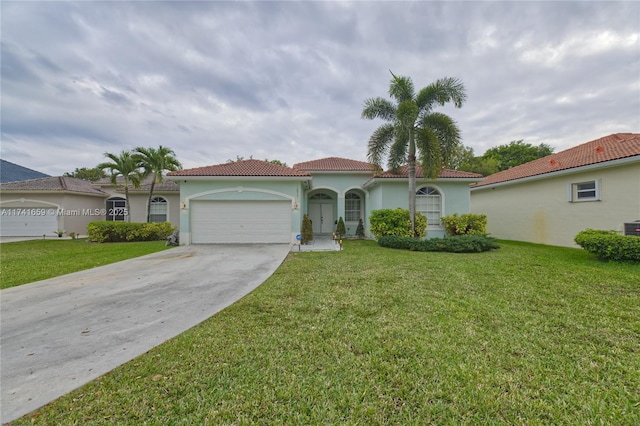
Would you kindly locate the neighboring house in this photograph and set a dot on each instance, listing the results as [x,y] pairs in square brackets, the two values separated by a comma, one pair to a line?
[165,204]
[254,201]
[43,206]
[549,200]
[10,172]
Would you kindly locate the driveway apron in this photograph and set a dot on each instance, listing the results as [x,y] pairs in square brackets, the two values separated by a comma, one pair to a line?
[61,333]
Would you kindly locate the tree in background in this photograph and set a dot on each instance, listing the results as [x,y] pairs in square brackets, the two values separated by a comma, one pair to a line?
[276,162]
[467,162]
[499,158]
[516,152]
[154,162]
[86,173]
[127,166]
[413,129]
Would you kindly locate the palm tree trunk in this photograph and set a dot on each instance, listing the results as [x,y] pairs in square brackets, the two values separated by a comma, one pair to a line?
[126,196]
[412,182]
[153,184]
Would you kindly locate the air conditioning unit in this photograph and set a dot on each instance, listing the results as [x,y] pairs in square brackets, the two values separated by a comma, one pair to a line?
[632,228]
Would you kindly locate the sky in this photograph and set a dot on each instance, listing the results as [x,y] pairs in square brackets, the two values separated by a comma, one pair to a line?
[287,81]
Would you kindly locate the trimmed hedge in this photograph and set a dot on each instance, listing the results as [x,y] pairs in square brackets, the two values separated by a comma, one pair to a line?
[396,222]
[609,245]
[457,244]
[112,232]
[465,224]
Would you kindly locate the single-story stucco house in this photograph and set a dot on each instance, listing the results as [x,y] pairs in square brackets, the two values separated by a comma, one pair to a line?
[37,207]
[253,201]
[549,200]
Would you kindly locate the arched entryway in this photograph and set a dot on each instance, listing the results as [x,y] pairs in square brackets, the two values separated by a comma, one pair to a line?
[321,210]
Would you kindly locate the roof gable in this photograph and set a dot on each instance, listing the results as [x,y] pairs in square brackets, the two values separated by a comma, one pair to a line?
[605,149]
[243,168]
[54,183]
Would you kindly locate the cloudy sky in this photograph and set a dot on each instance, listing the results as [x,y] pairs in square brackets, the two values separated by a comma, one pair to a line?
[287,80]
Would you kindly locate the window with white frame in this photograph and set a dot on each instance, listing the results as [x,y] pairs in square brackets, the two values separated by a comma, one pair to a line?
[429,203]
[158,210]
[584,191]
[352,207]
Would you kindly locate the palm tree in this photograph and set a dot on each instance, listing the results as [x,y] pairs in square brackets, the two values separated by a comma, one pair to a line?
[412,127]
[127,166]
[155,162]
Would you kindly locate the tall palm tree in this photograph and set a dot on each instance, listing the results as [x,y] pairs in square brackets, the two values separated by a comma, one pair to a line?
[128,167]
[155,162]
[414,128]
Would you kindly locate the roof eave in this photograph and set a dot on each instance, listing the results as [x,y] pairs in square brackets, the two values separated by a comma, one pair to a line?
[236,178]
[376,180]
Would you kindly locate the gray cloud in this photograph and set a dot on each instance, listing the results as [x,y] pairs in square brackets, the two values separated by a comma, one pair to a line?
[286,80]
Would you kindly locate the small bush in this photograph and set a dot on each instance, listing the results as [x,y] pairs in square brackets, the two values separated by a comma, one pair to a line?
[609,245]
[360,229]
[341,231]
[465,224]
[111,232]
[307,230]
[457,244]
[396,222]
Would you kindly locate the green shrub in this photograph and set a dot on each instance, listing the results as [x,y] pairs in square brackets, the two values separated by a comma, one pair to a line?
[609,245]
[340,228]
[465,224]
[457,244]
[307,230]
[396,222]
[110,232]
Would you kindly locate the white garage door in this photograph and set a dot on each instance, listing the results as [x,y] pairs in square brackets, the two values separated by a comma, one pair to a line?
[15,223]
[215,222]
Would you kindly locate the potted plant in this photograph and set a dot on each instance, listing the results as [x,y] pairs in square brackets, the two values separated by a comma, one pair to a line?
[60,233]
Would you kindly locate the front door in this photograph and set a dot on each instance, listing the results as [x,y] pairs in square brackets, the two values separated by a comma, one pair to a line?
[321,216]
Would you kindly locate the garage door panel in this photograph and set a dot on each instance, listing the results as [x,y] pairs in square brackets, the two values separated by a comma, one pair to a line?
[18,225]
[215,222]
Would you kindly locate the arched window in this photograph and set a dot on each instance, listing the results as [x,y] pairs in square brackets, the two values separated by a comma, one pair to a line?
[158,210]
[116,209]
[320,196]
[429,203]
[352,207]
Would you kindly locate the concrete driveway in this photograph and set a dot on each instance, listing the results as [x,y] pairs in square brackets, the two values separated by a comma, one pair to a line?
[61,333]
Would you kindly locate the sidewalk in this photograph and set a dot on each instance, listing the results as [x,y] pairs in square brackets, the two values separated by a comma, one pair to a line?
[322,243]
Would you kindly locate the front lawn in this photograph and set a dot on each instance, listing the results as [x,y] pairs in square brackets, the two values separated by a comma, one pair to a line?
[526,334]
[28,261]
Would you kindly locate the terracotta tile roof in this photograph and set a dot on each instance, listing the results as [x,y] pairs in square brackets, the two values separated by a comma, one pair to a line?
[403,172]
[253,168]
[334,164]
[608,148]
[55,183]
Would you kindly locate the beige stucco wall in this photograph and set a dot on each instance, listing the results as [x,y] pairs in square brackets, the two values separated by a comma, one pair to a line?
[538,211]
[73,211]
[138,200]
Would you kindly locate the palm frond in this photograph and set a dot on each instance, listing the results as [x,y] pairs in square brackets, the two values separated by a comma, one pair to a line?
[378,108]
[379,143]
[401,88]
[398,151]
[430,153]
[440,92]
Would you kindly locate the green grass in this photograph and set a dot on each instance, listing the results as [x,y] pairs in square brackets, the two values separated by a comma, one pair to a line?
[526,334]
[28,261]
